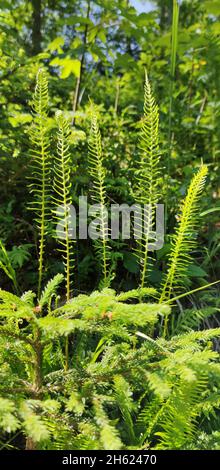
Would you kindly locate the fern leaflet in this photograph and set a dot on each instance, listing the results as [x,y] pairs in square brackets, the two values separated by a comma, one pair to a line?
[184,239]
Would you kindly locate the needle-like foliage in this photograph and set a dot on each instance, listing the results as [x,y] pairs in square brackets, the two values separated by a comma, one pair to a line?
[184,241]
[62,197]
[147,192]
[41,166]
[98,195]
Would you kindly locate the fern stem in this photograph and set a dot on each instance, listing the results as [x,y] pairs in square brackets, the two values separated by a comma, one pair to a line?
[147,183]
[98,193]
[62,198]
[42,231]
[174,299]
[42,214]
[41,165]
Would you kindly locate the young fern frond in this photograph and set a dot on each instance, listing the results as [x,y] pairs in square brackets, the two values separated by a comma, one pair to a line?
[6,266]
[184,239]
[148,178]
[50,289]
[124,399]
[109,435]
[180,413]
[62,197]
[40,186]
[98,195]
[190,319]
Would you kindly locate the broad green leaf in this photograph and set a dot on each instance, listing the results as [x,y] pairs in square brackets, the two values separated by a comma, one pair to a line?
[130,262]
[196,271]
[212,7]
[18,119]
[68,66]
[56,44]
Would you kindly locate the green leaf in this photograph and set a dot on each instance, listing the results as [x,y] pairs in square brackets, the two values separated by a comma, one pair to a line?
[196,271]
[102,36]
[212,7]
[58,326]
[8,422]
[68,66]
[209,211]
[74,19]
[18,119]
[34,426]
[75,403]
[5,265]
[137,293]
[19,254]
[50,289]
[130,262]
[56,44]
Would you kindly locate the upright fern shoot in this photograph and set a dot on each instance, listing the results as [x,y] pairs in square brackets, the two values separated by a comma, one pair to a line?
[98,194]
[62,197]
[147,192]
[184,239]
[41,165]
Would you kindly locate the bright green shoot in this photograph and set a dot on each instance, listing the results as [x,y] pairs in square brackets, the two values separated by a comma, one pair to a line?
[41,166]
[184,239]
[147,192]
[98,195]
[62,197]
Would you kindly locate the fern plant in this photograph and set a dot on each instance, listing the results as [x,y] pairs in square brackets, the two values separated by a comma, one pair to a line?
[24,373]
[98,195]
[6,266]
[62,201]
[41,166]
[184,241]
[127,389]
[147,179]
[62,197]
[127,385]
[34,390]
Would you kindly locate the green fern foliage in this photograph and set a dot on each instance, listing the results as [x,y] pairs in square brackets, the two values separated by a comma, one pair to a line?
[6,266]
[62,197]
[96,371]
[98,195]
[41,166]
[124,399]
[109,436]
[50,290]
[184,241]
[147,192]
[180,413]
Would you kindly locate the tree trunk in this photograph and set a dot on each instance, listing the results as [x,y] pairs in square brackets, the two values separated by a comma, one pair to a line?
[36,26]
[37,382]
[30,444]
